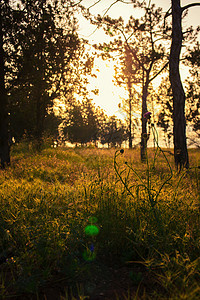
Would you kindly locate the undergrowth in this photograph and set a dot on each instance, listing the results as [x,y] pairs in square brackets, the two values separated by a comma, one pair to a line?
[65,210]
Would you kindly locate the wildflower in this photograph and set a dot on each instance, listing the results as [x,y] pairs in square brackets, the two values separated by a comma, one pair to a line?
[122,151]
[147,115]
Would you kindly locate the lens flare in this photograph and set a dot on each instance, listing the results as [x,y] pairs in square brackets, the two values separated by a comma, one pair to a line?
[91,230]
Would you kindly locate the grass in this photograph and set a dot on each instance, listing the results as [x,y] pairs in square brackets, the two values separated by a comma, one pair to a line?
[78,223]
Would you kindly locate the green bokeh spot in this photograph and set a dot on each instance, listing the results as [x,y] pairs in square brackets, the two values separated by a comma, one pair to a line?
[91,230]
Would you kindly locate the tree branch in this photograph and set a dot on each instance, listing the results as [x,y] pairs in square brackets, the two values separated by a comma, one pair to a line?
[122,1]
[159,72]
[103,14]
[110,7]
[78,3]
[168,13]
[193,142]
[94,4]
[189,5]
[149,4]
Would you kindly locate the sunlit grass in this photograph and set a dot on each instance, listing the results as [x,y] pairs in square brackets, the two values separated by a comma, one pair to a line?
[47,200]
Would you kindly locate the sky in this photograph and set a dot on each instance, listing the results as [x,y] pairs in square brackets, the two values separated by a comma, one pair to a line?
[109,95]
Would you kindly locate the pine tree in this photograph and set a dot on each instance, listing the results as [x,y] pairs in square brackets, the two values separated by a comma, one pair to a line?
[144,38]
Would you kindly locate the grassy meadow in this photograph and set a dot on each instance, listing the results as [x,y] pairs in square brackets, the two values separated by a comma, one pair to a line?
[98,224]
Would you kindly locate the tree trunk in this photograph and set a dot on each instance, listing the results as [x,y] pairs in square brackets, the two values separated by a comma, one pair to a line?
[130,114]
[143,144]
[144,136]
[179,129]
[130,142]
[4,137]
[40,97]
[40,115]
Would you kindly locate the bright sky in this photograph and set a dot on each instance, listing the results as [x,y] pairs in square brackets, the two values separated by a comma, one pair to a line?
[109,95]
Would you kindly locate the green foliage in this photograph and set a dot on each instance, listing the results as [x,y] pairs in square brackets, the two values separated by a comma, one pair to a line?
[148,189]
[40,65]
[82,124]
[42,57]
[74,131]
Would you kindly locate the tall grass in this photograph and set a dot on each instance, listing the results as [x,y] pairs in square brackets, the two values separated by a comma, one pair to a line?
[147,219]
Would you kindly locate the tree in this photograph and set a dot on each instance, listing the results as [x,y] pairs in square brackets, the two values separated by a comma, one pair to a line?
[46,51]
[91,121]
[124,78]
[5,13]
[82,124]
[51,125]
[86,123]
[179,128]
[74,127]
[113,133]
[144,39]
[49,66]
[32,56]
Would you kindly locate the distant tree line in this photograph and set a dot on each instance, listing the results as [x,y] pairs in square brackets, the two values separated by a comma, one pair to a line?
[86,123]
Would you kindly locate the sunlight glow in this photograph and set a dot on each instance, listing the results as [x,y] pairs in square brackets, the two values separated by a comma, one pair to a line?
[109,94]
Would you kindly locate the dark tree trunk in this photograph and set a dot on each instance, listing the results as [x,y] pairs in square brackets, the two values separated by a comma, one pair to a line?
[4,137]
[40,116]
[130,114]
[144,136]
[130,142]
[143,144]
[40,97]
[179,129]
